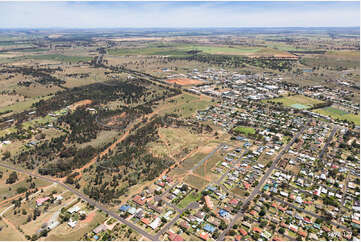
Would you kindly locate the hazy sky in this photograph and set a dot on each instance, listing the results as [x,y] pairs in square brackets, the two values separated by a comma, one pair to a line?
[178,14]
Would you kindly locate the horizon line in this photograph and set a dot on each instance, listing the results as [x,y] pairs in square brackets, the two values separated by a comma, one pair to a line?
[228,27]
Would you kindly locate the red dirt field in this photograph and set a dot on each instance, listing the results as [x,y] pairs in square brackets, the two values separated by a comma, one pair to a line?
[184,81]
[80,103]
[89,218]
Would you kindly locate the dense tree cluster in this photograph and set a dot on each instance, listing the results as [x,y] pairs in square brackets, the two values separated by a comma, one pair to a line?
[13,177]
[82,124]
[63,167]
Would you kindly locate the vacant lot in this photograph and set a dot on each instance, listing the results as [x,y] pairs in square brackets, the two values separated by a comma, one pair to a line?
[176,142]
[9,233]
[297,101]
[185,105]
[205,169]
[196,182]
[336,113]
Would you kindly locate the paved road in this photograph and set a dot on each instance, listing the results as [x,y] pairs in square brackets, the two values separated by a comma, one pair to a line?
[207,157]
[192,205]
[258,187]
[85,198]
[233,162]
[327,143]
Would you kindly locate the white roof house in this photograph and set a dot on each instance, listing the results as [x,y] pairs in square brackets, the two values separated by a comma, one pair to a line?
[74,209]
[132,210]
[155,223]
[285,194]
[72,223]
[299,200]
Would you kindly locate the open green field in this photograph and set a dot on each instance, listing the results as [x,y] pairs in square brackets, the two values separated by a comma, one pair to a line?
[336,113]
[297,101]
[62,58]
[244,130]
[191,197]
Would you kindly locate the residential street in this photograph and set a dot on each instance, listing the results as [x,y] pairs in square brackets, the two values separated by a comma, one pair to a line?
[257,190]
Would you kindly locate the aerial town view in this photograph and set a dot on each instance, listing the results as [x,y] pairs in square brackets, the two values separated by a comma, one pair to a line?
[179,121]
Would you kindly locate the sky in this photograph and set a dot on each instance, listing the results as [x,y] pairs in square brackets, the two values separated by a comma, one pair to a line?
[178,14]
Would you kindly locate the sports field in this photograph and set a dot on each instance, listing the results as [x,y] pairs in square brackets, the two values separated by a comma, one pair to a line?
[297,101]
[244,130]
[336,113]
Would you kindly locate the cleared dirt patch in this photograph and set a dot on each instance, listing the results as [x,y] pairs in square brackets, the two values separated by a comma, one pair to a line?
[80,103]
[184,81]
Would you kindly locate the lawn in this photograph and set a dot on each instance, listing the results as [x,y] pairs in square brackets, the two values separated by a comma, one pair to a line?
[191,197]
[297,101]
[244,130]
[336,113]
